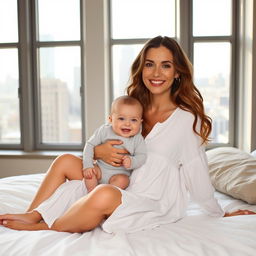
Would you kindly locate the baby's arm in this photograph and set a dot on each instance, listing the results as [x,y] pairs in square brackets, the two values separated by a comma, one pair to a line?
[88,152]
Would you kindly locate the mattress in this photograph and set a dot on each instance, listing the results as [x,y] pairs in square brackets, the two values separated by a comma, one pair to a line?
[196,234]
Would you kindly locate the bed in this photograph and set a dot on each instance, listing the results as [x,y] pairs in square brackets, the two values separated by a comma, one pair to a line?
[196,234]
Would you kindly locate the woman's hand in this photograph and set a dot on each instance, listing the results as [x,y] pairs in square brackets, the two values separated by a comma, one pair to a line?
[239,212]
[110,154]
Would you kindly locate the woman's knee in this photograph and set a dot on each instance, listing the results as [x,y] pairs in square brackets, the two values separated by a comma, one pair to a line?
[67,158]
[70,164]
[106,198]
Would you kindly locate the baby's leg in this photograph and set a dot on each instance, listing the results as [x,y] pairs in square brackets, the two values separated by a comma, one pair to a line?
[120,180]
[93,182]
[28,217]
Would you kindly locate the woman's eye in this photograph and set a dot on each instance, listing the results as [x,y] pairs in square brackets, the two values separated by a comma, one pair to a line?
[148,64]
[166,65]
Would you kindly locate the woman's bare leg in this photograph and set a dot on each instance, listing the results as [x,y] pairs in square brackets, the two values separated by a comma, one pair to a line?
[89,211]
[86,214]
[64,167]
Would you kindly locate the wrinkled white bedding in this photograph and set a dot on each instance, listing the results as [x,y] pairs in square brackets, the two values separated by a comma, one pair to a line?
[197,234]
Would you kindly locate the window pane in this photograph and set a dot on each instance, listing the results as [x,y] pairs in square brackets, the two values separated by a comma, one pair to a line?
[212,77]
[8,21]
[9,101]
[60,78]
[122,57]
[59,20]
[212,18]
[143,18]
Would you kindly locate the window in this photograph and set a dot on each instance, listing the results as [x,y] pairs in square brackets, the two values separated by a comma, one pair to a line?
[40,57]
[208,41]
[213,51]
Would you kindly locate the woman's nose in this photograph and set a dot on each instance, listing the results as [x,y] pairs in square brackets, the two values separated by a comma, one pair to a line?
[156,71]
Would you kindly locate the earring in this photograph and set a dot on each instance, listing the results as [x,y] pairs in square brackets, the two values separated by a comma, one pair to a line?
[177,80]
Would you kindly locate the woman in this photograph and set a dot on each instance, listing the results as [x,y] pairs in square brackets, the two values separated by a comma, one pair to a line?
[175,128]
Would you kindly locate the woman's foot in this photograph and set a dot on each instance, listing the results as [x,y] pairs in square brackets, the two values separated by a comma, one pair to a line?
[19,225]
[29,217]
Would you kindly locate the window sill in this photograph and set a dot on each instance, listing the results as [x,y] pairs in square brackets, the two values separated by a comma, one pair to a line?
[35,154]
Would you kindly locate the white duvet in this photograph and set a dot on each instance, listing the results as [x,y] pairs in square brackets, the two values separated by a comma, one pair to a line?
[196,234]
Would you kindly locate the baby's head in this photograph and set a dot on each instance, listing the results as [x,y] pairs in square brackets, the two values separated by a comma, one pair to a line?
[126,116]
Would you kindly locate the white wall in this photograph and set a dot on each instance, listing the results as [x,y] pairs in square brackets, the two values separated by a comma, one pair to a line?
[246,114]
[11,166]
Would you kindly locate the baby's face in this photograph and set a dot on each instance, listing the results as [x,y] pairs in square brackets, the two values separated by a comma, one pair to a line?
[126,120]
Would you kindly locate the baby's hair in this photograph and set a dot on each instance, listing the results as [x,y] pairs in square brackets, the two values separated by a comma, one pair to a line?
[126,100]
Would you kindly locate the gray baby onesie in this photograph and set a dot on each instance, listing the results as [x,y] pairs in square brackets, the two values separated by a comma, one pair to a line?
[134,145]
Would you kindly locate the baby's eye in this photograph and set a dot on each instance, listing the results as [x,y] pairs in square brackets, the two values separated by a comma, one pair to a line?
[121,118]
[134,120]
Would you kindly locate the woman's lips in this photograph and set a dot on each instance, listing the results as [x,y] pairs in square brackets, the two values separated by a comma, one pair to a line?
[156,82]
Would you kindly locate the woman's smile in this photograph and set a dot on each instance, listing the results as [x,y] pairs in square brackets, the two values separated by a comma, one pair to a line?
[157,82]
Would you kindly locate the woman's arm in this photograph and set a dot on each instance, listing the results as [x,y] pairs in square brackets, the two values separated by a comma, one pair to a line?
[109,154]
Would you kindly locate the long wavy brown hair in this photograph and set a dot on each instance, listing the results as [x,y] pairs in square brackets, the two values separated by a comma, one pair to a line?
[183,91]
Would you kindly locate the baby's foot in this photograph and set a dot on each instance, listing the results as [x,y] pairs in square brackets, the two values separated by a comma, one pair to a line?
[29,217]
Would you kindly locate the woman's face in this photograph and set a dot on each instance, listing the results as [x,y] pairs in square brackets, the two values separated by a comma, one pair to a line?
[158,72]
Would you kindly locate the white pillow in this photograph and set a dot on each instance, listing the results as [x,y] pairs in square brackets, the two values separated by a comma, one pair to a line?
[233,172]
[254,153]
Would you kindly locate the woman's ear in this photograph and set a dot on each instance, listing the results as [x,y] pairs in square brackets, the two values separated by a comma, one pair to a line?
[177,75]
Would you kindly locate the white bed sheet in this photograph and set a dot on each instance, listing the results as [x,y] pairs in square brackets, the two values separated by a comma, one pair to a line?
[197,234]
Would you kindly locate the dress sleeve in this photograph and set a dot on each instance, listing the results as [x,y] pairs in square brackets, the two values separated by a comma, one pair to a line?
[199,185]
[195,172]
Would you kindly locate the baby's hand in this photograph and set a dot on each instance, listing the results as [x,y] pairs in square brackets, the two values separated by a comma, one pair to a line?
[89,173]
[127,162]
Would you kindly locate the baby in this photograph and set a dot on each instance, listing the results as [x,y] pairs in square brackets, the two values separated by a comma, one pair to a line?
[125,125]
